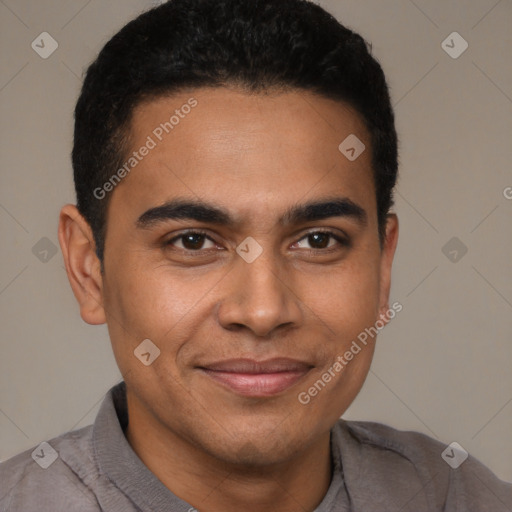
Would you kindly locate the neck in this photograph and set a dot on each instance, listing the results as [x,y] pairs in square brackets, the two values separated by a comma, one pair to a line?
[209,484]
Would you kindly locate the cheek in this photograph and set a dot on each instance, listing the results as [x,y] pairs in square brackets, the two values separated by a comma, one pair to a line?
[150,300]
[145,301]
[347,298]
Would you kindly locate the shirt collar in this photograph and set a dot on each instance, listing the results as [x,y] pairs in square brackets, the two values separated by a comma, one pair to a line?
[117,460]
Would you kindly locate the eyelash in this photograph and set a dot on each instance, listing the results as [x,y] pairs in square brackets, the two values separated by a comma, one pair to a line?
[343,242]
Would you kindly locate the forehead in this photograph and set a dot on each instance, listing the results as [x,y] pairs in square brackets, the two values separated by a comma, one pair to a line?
[250,153]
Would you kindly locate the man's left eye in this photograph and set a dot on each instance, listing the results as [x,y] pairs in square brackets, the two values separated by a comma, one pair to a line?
[321,240]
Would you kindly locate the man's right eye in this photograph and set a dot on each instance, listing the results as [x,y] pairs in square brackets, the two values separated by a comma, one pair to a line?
[191,241]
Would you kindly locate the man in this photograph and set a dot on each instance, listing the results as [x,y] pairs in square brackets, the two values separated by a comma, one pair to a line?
[234,165]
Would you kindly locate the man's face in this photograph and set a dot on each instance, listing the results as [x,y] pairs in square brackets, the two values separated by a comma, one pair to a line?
[215,312]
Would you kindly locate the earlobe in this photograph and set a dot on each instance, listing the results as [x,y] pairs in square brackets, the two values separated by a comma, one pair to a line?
[386,262]
[82,264]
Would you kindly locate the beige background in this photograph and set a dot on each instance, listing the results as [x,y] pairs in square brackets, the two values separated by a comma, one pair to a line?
[442,366]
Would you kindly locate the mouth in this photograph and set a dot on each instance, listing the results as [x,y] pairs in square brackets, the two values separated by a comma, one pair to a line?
[257,379]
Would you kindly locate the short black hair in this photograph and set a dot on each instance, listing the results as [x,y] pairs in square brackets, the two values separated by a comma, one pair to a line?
[256,45]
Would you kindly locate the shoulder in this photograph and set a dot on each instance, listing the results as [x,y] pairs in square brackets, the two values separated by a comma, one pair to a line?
[59,471]
[411,446]
[411,462]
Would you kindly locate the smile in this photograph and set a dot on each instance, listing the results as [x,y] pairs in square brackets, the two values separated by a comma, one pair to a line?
[257,379]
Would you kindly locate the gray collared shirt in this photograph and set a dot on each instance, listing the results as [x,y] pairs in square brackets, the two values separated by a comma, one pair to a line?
[376,469]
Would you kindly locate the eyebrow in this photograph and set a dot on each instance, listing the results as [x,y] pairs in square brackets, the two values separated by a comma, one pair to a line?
[180,209]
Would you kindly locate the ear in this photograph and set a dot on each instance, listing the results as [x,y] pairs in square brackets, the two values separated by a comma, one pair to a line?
[386,262]
[82,264]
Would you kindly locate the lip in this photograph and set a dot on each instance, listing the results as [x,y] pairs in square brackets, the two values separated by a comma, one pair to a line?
[253,378]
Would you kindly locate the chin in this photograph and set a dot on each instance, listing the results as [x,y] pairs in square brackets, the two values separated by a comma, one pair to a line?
[254,455]
[262,447]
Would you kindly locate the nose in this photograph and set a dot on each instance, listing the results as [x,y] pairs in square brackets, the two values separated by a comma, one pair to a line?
[259,296]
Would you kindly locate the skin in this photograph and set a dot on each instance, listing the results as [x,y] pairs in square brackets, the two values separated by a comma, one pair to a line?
[302,298]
